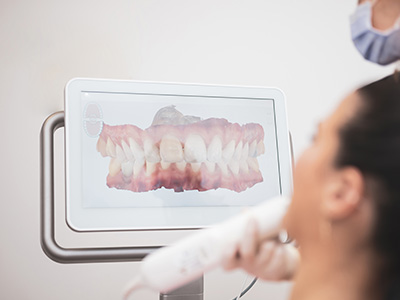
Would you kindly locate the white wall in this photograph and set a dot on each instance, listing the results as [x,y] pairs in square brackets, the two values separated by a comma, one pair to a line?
[302,47]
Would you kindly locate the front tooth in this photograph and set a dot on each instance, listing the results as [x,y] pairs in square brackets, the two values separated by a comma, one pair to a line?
[260,148]
[234,166]
[195,167]
[137,166]
[210,166]
[127,168]
[195,150]
[238,152]
[181,165]
[253,164]
[101,147]
[110,148]
[114,167]
[128,151]
[214,152]
[253,149]
[120,153]
[137,151]
[165,165]
[150,167]
[228,152]
[223,166]
[151,152]
[244,166]
[245,152]
[171,149]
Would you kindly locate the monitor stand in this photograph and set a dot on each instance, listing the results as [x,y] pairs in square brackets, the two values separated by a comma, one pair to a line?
[191,291]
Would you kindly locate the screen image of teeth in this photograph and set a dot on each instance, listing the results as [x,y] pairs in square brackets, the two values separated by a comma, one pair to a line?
[179,148]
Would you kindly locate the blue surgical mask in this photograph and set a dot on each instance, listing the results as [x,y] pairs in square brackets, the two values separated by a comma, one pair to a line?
[382,47]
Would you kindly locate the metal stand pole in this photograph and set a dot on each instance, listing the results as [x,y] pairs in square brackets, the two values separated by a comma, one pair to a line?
[191,291]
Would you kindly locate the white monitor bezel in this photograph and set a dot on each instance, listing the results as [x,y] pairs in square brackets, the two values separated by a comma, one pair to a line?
[83,219]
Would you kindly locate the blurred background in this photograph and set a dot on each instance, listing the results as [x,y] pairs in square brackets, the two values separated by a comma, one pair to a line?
[301,47]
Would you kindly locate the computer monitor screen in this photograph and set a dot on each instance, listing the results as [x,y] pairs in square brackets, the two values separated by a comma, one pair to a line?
[154,156]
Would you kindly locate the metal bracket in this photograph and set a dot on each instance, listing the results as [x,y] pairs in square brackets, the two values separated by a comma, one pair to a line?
[47,232]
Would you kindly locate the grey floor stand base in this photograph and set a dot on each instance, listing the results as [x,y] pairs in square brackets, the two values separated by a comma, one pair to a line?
[191,291]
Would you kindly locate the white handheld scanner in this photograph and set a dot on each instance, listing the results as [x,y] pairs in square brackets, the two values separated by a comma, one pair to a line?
[174,266]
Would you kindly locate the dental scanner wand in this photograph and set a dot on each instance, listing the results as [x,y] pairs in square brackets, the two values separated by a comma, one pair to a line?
[174,266]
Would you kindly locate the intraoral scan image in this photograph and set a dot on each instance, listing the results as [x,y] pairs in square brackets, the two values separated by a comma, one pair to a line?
[182,152]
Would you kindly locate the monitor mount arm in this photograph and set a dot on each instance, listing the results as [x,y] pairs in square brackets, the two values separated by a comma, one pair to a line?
[47,231]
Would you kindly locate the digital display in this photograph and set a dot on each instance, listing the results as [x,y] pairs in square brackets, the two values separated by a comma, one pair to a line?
[154,156]
[166,151]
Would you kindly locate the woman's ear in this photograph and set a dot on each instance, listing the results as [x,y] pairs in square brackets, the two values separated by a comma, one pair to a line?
[343,193]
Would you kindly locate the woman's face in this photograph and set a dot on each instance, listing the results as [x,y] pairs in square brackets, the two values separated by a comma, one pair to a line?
[314,174]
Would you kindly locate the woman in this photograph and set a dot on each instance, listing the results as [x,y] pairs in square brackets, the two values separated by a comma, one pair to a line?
[345,210]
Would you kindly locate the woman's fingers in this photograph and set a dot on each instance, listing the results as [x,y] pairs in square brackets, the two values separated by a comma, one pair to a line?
[249,246]
[280,261]
[243,253]
[268,260]
[292,261]
[275,267]
[266,252]
[231,258]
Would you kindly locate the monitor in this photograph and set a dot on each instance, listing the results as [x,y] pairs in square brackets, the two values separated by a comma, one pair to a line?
[168,156]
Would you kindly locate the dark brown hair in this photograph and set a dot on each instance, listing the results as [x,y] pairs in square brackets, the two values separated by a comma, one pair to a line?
[370,141]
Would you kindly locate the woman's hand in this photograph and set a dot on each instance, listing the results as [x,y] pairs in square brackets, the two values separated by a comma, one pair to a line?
[267,260]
